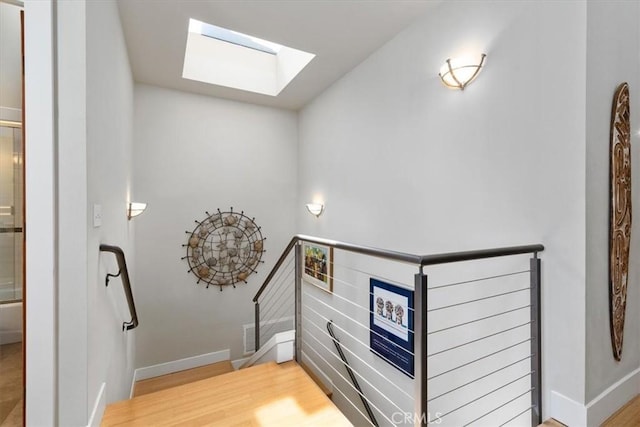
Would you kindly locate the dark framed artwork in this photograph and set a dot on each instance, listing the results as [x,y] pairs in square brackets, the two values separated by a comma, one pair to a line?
[391,324]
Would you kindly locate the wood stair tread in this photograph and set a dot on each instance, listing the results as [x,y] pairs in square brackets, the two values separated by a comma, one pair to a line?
[552,423]
[262,395]
[175,379]
[317,380]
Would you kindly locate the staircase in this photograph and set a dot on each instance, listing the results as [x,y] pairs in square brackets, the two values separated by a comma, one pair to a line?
[264,395]
[283,394]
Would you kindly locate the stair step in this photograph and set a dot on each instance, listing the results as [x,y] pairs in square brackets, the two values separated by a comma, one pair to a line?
[317,380]
[164,382]
[552,423]
[267,395]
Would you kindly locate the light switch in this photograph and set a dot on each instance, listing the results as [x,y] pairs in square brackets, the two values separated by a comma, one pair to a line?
[97,216]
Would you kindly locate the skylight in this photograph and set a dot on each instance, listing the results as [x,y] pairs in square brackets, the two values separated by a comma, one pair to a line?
[234,37]
[223,57]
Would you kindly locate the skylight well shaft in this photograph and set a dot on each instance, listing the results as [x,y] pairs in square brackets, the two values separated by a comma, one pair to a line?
[228,58]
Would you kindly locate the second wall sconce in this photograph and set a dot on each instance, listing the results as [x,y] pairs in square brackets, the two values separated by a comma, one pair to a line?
[457,73]
[315,208]
[134,209]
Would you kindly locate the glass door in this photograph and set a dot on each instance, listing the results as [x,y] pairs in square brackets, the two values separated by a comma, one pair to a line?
[11,275]
[11,217]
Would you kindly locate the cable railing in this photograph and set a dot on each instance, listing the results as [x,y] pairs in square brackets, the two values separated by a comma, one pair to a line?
[123,273]
[275,311]
[460,349]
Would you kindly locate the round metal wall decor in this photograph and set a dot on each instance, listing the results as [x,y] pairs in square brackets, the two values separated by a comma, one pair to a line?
[619,215]
[224,249]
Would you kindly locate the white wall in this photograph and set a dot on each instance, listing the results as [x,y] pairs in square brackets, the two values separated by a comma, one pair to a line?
[613,46]
[95,109]
[111,352]
[404,163]
[194,154]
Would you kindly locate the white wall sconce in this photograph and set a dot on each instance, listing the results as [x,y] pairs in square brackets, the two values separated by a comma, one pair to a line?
[315,208]
[457,73]
[134,209]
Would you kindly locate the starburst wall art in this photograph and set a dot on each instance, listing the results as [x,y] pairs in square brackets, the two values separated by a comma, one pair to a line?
[224,249]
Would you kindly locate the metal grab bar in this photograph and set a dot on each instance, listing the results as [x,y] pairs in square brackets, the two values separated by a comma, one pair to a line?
[354,380]
[420,260]
[126,283]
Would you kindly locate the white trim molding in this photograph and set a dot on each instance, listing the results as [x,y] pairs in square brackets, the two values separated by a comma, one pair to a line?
[41,334]
[566,410]
[279,349]
[594,413]
[98,407]
[613,398]
[237,364]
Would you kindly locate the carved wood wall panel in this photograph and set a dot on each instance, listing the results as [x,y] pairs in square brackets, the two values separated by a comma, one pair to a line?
[620,215]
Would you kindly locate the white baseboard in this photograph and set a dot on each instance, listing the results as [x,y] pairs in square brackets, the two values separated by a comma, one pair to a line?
[179,365]
[98,408]
[239,362]
[133,385]
[566,410]
[594,413]
[613,398]
[278,349]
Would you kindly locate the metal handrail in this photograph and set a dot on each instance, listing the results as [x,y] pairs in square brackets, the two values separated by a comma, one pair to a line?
[354,380]
[126,283]
[421,260]
[420,307]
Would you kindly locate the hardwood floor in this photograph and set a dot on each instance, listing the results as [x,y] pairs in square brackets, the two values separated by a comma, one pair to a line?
[11,385]
[627,416]
[264,395]
[164,382]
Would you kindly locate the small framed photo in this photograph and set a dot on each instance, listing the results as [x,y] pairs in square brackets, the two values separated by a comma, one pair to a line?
[318,266]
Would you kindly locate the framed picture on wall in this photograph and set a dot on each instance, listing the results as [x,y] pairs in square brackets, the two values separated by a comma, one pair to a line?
[318,266]
[391,324]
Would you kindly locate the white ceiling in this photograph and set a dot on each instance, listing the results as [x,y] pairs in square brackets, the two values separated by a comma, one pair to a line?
[342,33]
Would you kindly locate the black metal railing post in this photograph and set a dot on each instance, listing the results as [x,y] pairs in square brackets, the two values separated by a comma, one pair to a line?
[536,341]
[257,325]
[298,301]
[421,415]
